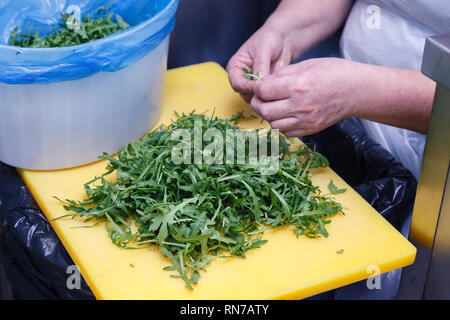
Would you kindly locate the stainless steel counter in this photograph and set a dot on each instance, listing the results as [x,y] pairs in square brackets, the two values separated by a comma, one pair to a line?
[429,276]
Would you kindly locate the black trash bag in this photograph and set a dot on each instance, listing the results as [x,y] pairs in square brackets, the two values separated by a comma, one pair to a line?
[368,168]
[34,259]
[36,262]
[382,181]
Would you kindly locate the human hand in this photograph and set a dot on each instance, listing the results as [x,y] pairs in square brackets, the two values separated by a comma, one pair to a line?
[264,52]
[309,96]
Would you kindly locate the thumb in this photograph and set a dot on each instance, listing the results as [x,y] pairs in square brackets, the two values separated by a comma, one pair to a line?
[283,60]
[261,63]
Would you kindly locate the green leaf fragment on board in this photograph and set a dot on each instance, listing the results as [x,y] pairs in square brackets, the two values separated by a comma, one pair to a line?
[334,189]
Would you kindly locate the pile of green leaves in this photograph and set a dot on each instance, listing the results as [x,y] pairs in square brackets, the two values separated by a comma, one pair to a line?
[73,32]
[198,212]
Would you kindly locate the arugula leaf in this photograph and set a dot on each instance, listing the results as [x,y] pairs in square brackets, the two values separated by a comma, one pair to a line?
[334,190]
[249,74]
[72,32]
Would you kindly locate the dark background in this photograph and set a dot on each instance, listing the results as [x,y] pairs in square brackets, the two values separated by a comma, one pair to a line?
[213,30]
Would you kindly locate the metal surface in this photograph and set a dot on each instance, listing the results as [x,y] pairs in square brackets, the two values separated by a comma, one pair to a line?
[436,59]
[430,225]
[438,280]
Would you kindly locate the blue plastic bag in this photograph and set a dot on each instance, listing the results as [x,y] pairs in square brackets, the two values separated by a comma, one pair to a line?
[151,21]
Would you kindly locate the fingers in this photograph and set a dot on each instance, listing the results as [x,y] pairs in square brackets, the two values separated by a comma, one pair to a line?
[278,65]
[237,81]
[248,57]
[292,127]
[284,116]
[247,97]
[272,110]
[273,88]
[259,58]
[262,62]
[284,60]
[297,133]
[285,124]
[304,126]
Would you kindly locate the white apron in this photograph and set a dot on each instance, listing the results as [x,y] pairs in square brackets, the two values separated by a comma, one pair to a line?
[392,33]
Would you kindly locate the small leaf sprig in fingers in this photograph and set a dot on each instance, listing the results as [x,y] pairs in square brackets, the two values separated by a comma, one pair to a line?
[250,74]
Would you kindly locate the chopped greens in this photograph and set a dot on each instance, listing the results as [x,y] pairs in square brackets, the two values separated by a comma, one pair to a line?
[73,32]
[249,74]
[198,212]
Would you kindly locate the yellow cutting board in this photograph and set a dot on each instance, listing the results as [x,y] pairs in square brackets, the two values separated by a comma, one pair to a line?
[284,268]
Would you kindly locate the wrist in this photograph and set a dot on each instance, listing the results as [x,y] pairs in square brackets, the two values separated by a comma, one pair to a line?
[304,24]
[289,37]
[396,97]
[354,79]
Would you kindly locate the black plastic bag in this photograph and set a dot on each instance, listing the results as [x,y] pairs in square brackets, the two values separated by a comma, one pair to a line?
[36,262]
[371,170]
[33,257]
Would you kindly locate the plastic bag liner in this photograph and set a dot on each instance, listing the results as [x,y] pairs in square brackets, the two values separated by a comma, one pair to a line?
[371,170]
[34,259]
[382,181]
[36,262]
[151,21]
